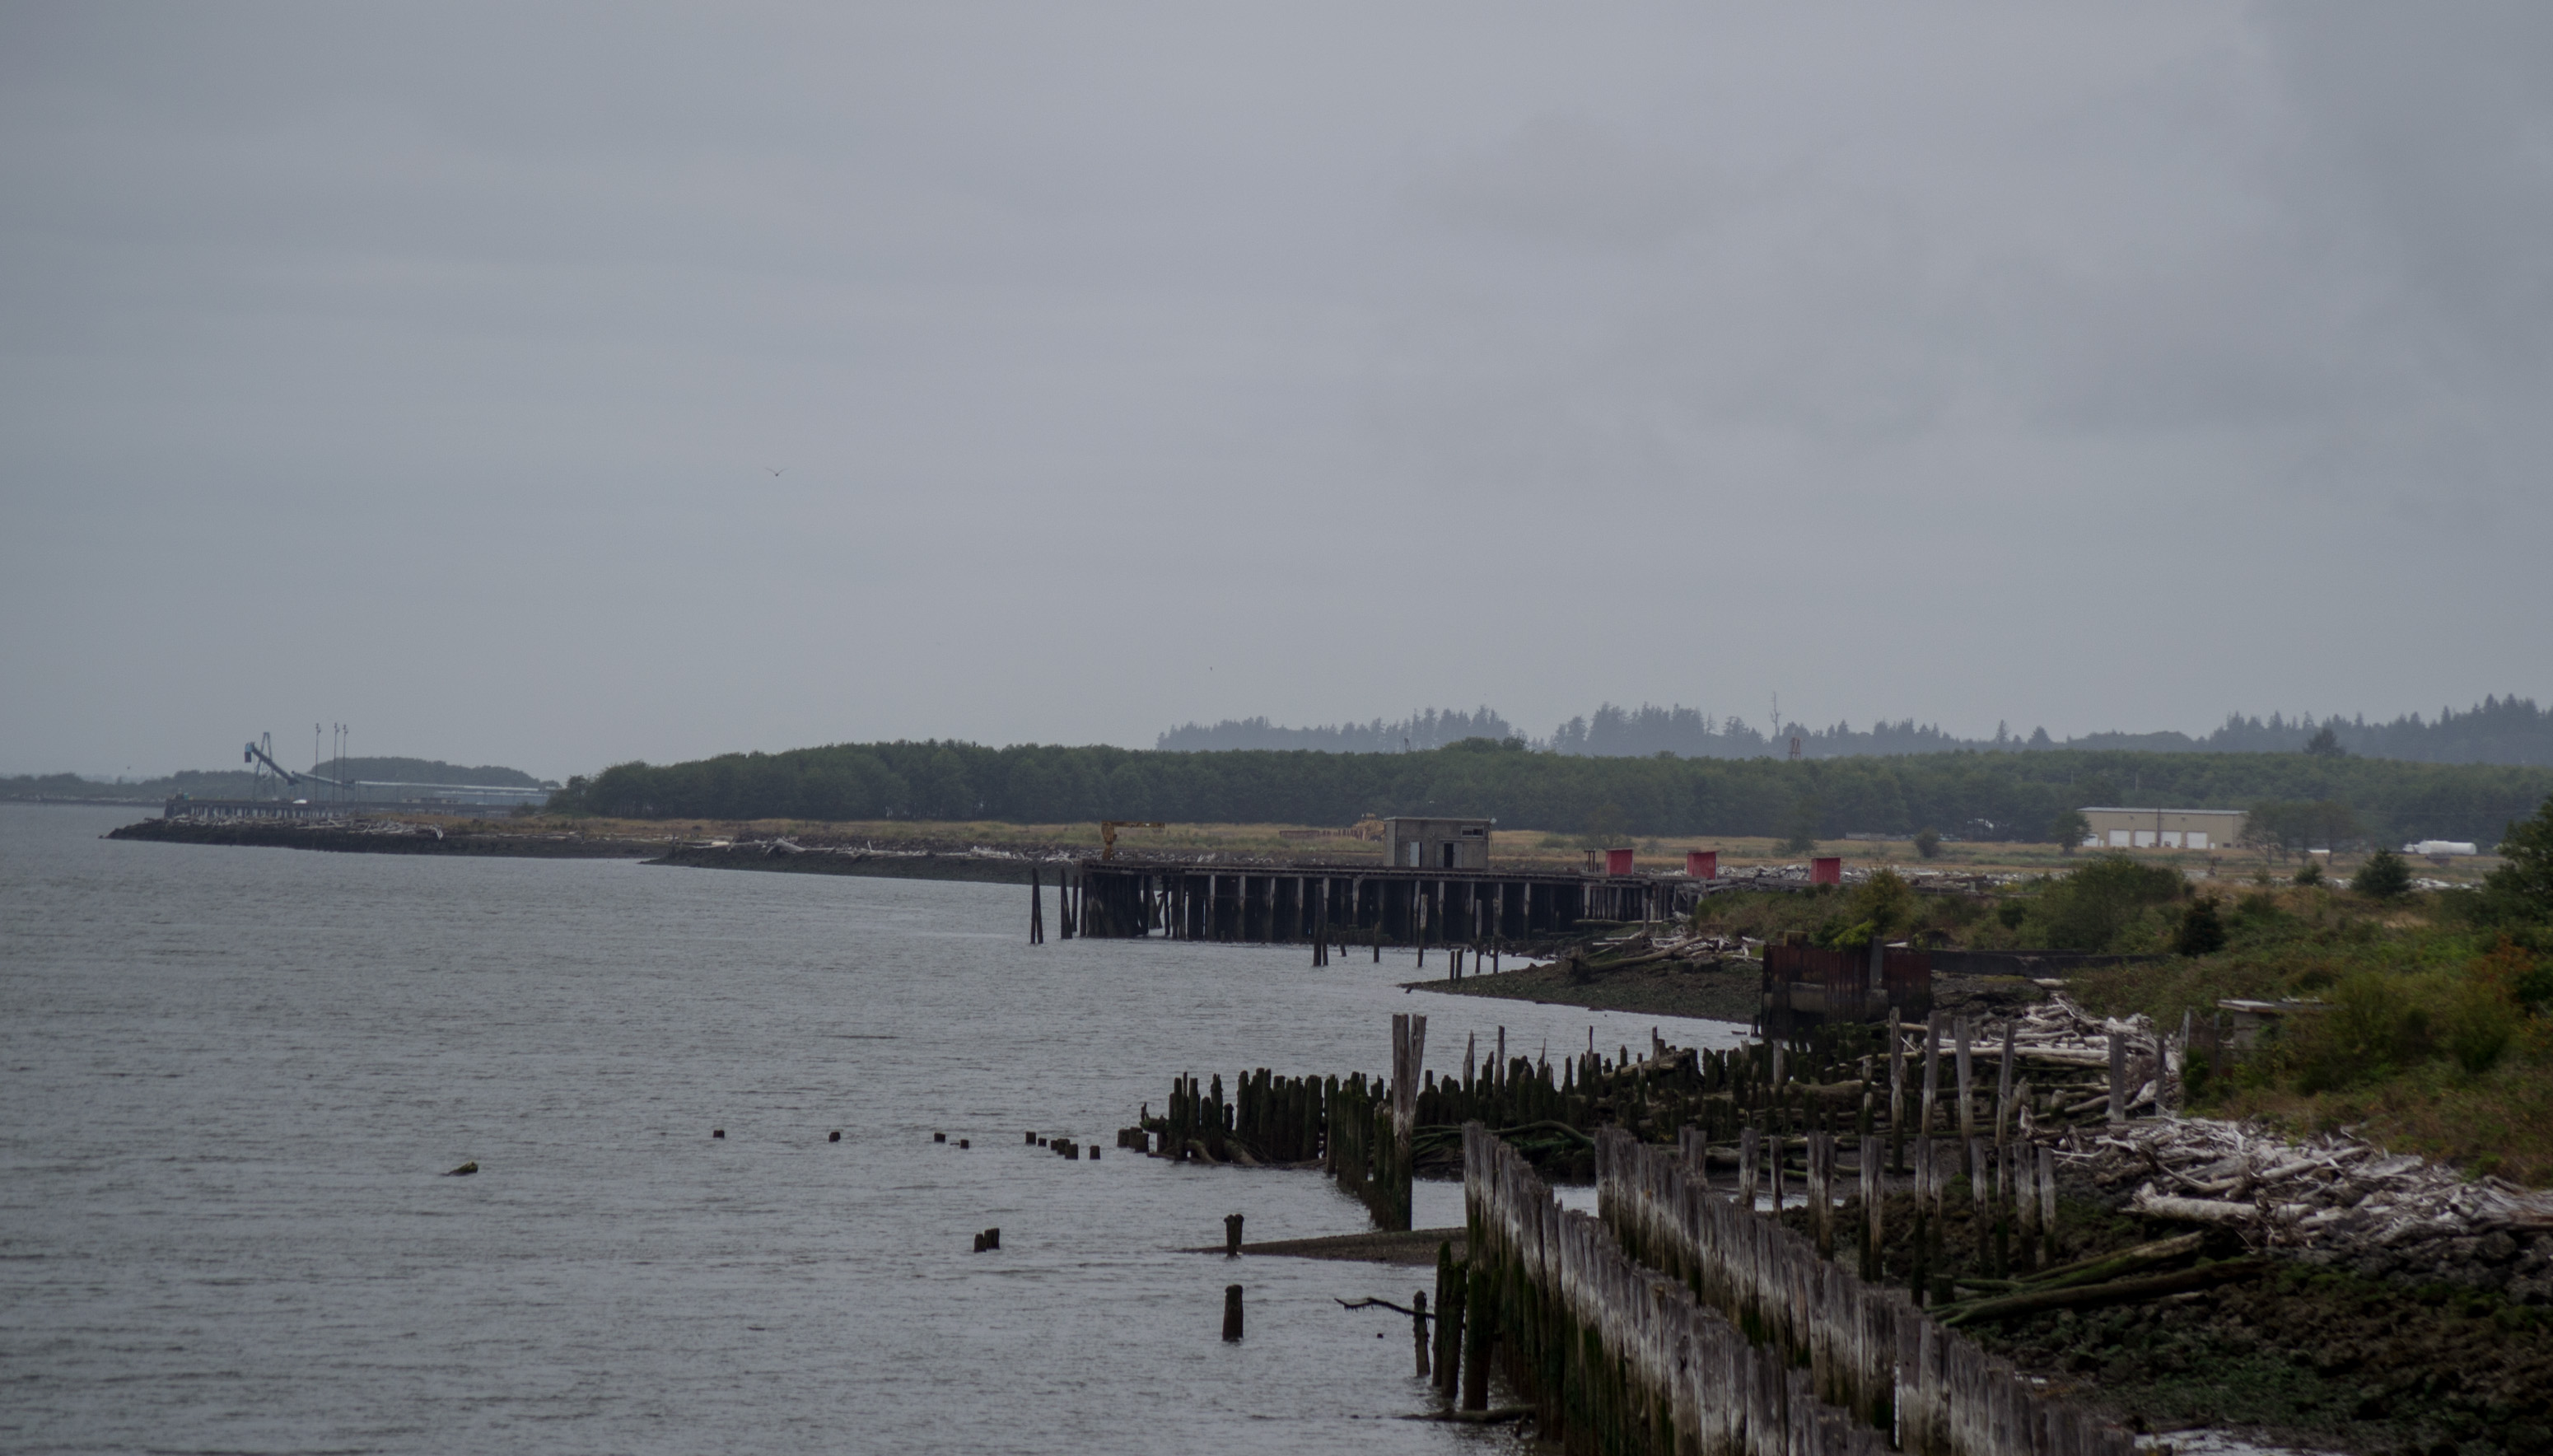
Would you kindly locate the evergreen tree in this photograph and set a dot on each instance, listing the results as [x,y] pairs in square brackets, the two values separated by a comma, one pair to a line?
[2523,888]
[2382,877]
[2202,929]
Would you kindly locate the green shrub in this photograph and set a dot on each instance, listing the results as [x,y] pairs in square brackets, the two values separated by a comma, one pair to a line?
[2095,907]
[2311,874]
[2371,1027]
[2382,877]
[1880,908]
[2476,1022]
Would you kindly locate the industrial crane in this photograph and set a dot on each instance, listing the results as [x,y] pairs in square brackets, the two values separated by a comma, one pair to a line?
[251,754]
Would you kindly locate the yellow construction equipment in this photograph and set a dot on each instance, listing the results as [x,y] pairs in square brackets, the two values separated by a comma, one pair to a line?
[1108,828]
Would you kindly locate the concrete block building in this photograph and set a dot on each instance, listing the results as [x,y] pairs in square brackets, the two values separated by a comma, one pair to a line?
[1437,843]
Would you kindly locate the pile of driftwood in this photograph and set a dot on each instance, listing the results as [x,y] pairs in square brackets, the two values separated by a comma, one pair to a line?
[2059,1033]
[2329,1199]
[1669,953]
[2331,1192]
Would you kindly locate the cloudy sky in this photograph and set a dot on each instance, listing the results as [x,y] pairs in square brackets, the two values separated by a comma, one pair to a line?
[555,386]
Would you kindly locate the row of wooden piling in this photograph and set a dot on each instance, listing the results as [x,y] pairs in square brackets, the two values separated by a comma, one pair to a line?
[1066,912]
[1359,1128]
[1620,1358]
[1867,1349]
[1817,1095]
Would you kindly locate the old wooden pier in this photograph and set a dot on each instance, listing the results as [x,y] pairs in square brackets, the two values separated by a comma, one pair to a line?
[1317,904]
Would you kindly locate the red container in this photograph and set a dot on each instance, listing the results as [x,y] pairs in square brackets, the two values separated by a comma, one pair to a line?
[1702,864]
[1826,869]
[1617,862]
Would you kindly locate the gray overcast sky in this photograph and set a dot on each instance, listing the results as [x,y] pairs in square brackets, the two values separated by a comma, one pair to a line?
[425,369]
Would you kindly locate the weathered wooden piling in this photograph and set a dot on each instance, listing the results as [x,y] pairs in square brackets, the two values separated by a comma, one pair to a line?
[2047,1203]
[1449,1318]
[1896,1093]
[1822,1148]
[1931,1067]
[1418,1331]
[1232,1236]
[2026,1203]
[2003,1079]
[1967,1094]
[1480,1333]
[1232,1311]
[1874,1204]
[1980,1185]
[1036,909]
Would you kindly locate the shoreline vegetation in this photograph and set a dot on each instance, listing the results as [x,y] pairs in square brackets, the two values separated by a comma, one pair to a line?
[2006,796]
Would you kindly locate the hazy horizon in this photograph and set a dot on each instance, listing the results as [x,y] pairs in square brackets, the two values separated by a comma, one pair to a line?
[558,386]
[2296,724]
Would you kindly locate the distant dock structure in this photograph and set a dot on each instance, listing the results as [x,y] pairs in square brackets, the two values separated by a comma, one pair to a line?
[1354,905]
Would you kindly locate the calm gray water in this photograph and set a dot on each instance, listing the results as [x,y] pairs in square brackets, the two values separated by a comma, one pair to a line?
[232,1075]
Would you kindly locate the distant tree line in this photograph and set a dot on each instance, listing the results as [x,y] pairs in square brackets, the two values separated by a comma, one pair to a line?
[1419,731]
[1968,795]
[2509,730]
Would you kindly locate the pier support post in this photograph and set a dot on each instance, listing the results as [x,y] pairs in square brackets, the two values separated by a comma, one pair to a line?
[1874,1204]
[1232,1311]
[1480,1327]
[1932,1067]
[1967,1094]
[1896,1093]
[2047,1206]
